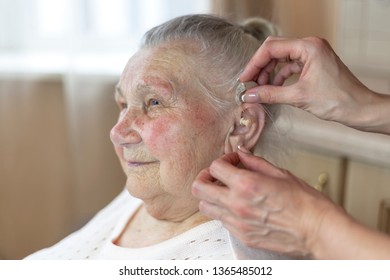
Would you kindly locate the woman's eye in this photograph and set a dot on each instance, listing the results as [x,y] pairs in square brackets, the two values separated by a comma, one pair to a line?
[123,106]
[154,102]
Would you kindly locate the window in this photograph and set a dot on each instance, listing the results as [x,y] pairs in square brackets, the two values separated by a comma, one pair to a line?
[54,28]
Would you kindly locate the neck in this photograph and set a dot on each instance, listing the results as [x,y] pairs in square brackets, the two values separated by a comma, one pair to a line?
[145,230]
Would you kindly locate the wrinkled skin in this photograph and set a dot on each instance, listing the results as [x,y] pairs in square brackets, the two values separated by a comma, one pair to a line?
[269,208]
[262,205]
[325,86]
[167,131]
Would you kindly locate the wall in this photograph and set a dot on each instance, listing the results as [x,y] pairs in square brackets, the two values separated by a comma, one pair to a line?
[303,18]
[57,165]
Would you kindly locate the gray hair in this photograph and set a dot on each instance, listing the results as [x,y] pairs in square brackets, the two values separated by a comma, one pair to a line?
[223,48]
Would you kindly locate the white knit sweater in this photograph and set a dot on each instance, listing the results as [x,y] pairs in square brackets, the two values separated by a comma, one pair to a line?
[209,240]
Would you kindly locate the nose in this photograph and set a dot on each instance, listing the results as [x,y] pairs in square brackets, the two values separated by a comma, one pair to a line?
[124,132]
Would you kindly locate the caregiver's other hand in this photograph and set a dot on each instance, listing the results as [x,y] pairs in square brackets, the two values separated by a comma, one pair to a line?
[264,206]
[325,86]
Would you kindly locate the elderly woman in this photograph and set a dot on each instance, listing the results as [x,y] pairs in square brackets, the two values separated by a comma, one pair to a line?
[178,113]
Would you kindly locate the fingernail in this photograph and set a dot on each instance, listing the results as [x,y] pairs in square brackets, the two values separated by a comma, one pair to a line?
[250,97]
[243,149]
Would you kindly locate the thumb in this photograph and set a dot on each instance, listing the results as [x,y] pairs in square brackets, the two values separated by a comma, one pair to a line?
[258,164]
[270,94]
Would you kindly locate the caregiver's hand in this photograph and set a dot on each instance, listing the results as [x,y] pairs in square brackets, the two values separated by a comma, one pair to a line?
[325,86]
[262,205]
[269,208]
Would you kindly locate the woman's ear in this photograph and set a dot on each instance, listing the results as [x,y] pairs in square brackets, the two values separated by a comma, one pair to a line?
[248,124]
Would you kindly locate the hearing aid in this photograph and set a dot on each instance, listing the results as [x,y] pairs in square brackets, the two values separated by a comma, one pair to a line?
[245,121]
[241,88]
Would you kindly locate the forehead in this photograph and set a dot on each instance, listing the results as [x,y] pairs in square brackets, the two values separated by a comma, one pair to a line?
[158,64]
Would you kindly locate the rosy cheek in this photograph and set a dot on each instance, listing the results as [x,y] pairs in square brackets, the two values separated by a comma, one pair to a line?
[158,135]
[172,133]
[202,114]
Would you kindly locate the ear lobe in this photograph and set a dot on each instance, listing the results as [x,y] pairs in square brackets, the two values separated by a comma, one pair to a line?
[248,125]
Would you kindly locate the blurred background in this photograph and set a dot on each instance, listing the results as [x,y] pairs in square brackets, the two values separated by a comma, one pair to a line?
[60,61]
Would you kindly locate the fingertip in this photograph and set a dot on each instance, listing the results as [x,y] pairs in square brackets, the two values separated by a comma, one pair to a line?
[245,155]
[202,205]
[251,96]
[245,76]
[261,94]
[198,185]
[243,150]
[207,209]
[195,189]
[231,158]
[267,94]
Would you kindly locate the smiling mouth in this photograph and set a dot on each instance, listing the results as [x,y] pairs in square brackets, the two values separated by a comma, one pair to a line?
[137,164]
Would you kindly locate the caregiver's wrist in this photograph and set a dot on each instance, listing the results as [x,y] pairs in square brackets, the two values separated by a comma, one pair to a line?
[373,115]
[330,234]
[380,112]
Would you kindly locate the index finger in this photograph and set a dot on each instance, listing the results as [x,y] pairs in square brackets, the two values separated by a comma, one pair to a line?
[231,158]
[224,170]
[230,175]
[258,164]
[278,48]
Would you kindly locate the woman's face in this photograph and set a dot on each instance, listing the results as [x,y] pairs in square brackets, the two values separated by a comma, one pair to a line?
[167,131]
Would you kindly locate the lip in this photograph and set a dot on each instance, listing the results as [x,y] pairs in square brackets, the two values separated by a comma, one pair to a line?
[138,163]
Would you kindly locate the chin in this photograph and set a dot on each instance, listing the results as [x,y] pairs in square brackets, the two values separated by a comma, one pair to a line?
[139,187]
[137,192]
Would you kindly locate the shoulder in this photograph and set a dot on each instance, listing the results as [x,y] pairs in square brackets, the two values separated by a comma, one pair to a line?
[243,252]
[85,242]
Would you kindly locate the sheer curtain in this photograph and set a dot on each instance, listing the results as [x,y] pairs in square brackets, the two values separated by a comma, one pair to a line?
[72,32]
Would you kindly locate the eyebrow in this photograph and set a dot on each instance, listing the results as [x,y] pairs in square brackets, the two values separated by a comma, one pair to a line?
[158,81]
[141,88]
[146,87]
